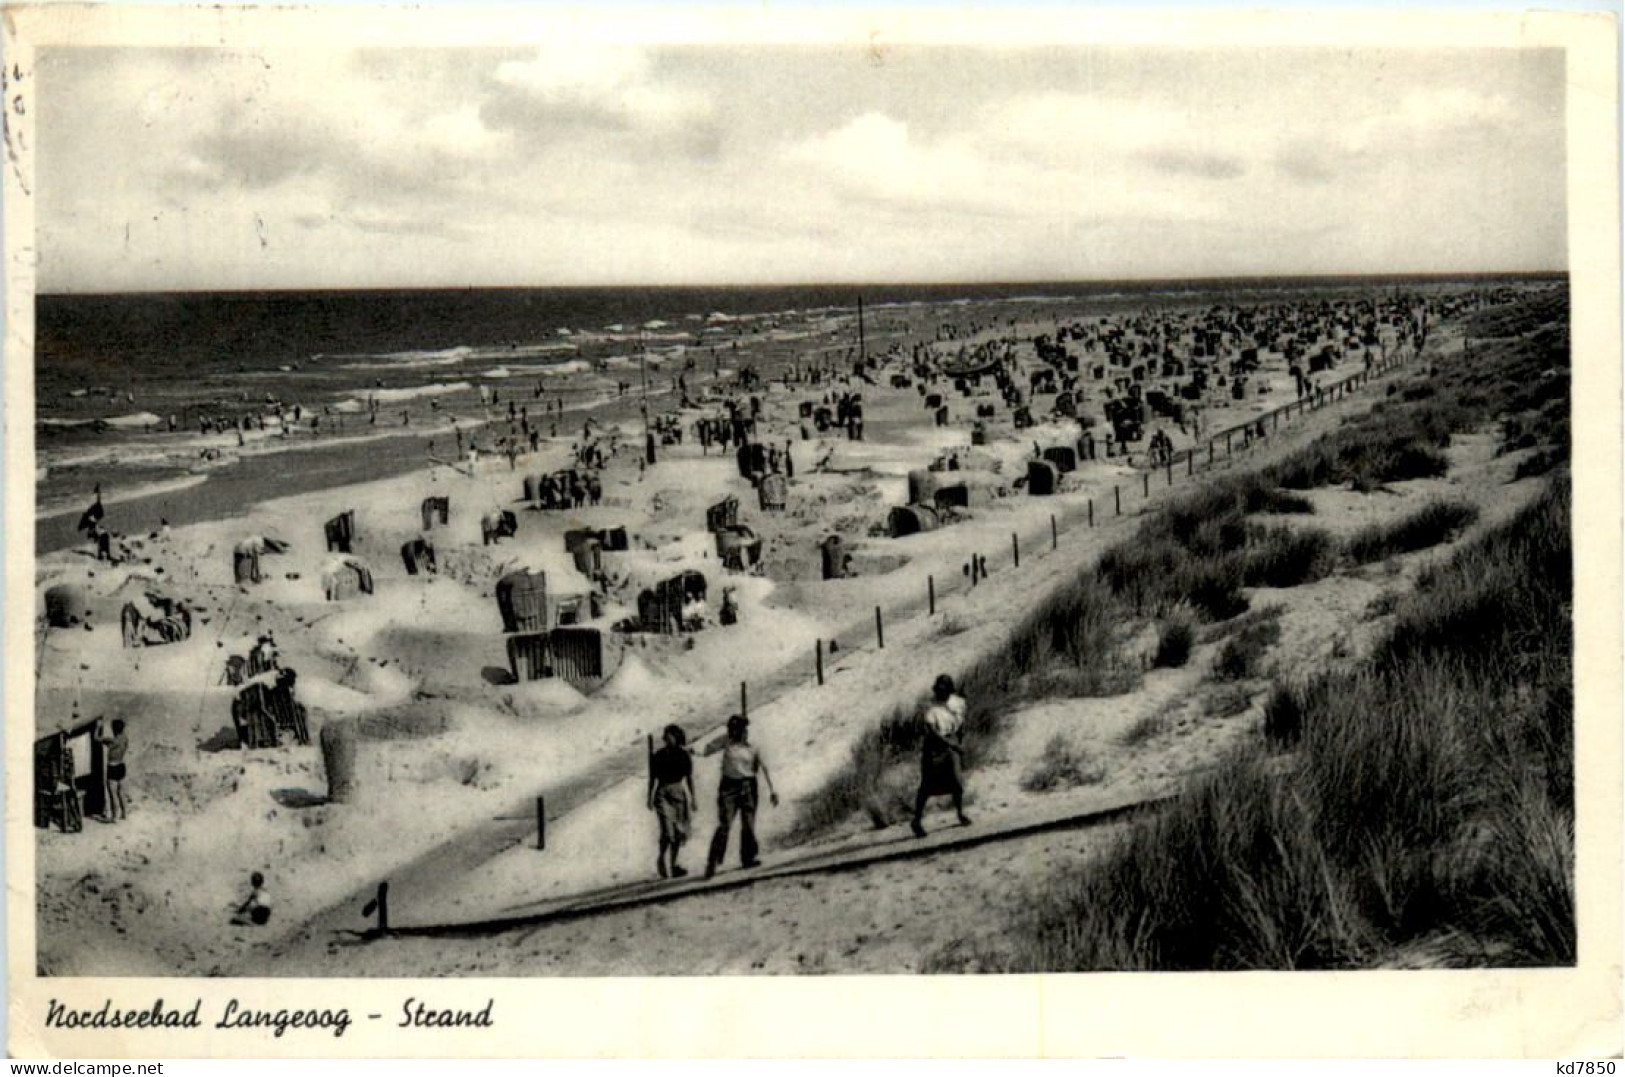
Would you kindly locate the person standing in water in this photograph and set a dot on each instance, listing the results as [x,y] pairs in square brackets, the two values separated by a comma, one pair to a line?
[671,798]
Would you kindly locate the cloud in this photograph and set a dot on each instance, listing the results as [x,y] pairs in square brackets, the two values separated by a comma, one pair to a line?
[1438,107]
[634,164]
[565,90]
[874,156]
[1181,162]
[1305,163]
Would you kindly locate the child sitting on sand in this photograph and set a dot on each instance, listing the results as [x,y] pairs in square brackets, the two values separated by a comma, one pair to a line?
[257,909]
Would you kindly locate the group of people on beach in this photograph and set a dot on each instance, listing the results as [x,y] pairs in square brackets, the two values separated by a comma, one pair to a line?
[672,798]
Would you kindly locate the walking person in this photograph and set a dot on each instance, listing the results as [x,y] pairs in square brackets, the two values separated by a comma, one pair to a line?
[941,753]
[737,795]
[671,798]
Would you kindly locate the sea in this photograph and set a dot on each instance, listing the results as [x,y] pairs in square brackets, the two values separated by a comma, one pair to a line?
[126,385]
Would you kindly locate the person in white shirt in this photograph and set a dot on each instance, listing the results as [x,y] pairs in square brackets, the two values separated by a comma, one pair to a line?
[736,795]
[941,753]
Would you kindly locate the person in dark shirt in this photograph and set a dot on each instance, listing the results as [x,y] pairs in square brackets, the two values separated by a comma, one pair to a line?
[671,797]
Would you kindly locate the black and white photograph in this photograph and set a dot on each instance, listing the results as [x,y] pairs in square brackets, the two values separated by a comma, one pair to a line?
[665,505]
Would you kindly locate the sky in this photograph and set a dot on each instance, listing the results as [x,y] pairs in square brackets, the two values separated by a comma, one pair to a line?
[215,169]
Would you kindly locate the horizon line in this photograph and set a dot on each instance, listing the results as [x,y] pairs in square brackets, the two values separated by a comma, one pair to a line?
[1139,282]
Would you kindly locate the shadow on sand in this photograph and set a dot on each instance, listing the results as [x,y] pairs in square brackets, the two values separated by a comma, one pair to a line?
[224,740]
[298,798]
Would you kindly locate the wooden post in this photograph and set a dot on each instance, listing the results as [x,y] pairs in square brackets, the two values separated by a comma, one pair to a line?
[931,594]
[1190,462]
[541,822]
[1170,466]
[818,659]
[1054,535]
[1091,512]
[1227,448]
[974,568]
[1015,549]
[1145,479]
[1117,498]
[880,630]
[744,700]
[1210,452]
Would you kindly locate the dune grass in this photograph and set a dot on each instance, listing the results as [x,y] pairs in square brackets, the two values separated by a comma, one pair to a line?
[1199,553]
[1434,523]
[1429,801]
[1066,646]
[1062,765]
[1242,656]
[1175,641]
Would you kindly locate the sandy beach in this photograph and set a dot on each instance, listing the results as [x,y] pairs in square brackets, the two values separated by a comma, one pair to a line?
[452,751]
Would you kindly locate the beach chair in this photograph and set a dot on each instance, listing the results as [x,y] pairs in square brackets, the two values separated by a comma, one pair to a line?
[831,556]
[340,531]
[722,515]
[418,554]
[56,797]
[739,548]
[435,508]
[773,492]
[255,727]
[132,624]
